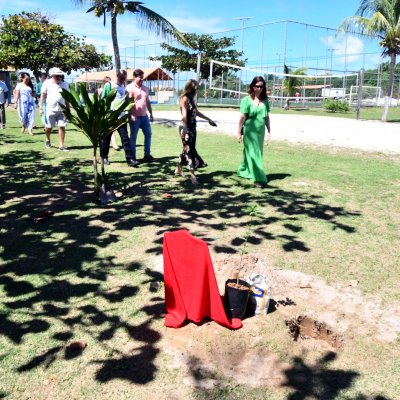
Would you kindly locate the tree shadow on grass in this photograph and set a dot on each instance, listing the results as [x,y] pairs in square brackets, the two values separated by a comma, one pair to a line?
[218,205]
[56,276]
[317,381]
[52,271]
[314,382]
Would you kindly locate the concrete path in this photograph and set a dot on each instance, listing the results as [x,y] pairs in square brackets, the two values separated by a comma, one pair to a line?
[338,132]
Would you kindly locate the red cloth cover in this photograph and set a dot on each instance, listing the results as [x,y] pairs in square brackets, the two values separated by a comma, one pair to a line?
[191,290]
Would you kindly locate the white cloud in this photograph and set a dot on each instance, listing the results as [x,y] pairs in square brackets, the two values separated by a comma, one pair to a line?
[344,50]
[18,5]
[198,25]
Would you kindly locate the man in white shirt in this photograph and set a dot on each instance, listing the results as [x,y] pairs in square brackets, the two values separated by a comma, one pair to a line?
[3,104]
[51,95]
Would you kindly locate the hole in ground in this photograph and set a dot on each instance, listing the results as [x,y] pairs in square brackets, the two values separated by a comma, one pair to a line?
[313,333]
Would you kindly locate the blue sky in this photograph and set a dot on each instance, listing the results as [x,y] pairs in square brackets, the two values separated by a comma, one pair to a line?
[263,46]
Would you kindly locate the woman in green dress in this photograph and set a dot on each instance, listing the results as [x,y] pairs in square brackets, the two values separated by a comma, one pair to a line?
[254,118]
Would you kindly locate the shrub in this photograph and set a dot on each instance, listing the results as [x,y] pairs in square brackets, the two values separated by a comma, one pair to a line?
[336,105]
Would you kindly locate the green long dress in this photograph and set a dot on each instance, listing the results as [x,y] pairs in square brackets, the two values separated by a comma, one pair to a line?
[251,166]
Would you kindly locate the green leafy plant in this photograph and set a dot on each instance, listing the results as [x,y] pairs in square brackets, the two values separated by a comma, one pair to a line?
[292,82]
[336,105]
[378,19]
[46,44]
[95,119]
[253,212]
[205,46]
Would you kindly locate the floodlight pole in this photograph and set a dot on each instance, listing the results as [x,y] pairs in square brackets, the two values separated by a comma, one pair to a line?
[240,78]
[134,52]
[331,50]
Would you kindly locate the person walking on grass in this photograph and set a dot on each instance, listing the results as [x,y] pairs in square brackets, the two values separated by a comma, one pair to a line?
[38,86]
[25,103]
[254,118]
[119,86]
[189,155]
[139,118]
[51,97]
[3,104]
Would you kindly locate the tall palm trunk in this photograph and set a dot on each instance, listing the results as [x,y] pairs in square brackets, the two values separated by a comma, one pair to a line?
[115,40]
[388,98]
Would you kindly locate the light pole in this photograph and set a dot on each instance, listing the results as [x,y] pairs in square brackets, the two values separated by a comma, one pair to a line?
[102,50]
[134,52]
[242,19]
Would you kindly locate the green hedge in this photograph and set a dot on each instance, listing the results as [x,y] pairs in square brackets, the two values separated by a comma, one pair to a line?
[336,105]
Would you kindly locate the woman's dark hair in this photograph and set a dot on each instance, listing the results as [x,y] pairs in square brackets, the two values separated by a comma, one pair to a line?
[263,94]
[190,89]
[26,75]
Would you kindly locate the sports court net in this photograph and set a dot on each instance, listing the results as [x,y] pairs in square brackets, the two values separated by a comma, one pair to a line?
[228,83]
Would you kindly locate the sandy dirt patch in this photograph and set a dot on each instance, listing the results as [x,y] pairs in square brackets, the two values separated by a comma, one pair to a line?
[333,316]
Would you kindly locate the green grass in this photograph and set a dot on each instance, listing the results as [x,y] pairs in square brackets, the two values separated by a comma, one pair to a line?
[85,272]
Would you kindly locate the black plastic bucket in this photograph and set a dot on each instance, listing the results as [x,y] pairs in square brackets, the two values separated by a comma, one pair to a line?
[235,300]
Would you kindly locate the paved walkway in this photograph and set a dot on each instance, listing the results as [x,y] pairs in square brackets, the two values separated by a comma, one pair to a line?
[339,132]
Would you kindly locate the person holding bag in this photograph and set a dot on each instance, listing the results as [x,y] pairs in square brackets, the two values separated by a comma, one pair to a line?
[254,119]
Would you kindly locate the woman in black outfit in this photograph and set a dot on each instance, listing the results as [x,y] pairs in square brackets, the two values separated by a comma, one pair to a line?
[189,155]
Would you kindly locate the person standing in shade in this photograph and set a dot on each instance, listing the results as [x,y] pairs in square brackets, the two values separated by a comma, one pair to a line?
[38,90]
[187,131]
[254,118]
[3,104]
[25,103]
[51,97]
[19,80]
[119,86]
[38,86]
[139,118]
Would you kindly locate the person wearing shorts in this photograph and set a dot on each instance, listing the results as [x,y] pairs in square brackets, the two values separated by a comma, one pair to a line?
[51,96]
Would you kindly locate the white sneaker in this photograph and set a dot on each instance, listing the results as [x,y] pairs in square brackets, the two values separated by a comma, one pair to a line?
[62,148]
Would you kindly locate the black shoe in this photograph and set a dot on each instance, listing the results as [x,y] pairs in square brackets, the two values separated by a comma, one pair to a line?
[148,158]
[132,162]
[106,162]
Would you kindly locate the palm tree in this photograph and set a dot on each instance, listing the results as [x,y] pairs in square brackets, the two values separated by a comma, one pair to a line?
[147,18]
[381,19]
[95,119]
[292,82]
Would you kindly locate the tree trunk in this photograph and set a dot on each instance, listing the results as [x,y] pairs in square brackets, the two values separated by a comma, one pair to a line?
[95,173]
[388,98]
[103,174]
[115,41]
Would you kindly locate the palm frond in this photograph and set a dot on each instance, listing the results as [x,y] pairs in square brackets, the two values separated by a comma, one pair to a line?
[94,118]
[155,23]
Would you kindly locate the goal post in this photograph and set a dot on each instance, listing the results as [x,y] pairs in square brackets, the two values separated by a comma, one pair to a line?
[228,83]
[370,95]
